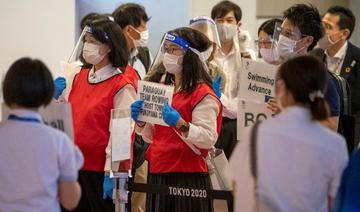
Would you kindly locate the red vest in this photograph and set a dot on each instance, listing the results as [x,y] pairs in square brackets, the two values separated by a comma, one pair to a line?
[91,108]
[168,152]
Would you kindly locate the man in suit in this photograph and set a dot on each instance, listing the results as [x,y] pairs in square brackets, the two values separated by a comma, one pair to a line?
[342,58]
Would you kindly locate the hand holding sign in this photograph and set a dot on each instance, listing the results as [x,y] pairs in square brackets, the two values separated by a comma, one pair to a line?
[136,109]
[170,115]
[154,96]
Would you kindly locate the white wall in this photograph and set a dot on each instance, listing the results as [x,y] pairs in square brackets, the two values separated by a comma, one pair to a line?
[41,29]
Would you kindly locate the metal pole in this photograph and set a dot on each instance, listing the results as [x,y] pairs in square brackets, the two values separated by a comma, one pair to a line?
[120,192]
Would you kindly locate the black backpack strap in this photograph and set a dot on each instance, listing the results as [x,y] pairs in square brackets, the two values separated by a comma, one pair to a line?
[144,57]
[345,93]
[253,151]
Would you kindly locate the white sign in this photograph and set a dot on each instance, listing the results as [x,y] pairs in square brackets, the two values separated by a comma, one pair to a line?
[120,131]
[56,115]
[154,96]
[249,112]
[257,80]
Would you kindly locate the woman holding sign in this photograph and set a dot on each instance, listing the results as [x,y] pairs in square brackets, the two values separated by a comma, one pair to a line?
[176,151]
[99,87]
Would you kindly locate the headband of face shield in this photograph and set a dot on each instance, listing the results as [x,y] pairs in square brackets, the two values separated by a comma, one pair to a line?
[207,26]
[171,54]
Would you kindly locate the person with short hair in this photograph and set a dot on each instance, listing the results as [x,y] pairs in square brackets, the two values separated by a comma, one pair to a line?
[342,58]
[38,164]
[227,16]
[132,19]
[266,42]
[291,162]
[300,31]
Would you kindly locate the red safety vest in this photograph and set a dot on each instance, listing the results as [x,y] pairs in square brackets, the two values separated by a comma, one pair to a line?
[168,152]
[91,109]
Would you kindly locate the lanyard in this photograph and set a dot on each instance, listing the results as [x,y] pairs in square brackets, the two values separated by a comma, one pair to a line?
[25,119]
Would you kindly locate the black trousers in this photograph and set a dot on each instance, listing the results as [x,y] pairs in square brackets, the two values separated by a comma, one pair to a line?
[349,127]
[92,193]
[228,136]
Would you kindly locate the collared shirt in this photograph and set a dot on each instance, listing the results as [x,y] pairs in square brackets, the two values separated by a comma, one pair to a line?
[33,159]
[334,64]
[299,164]
[231,65]
[202,132]
[136,63]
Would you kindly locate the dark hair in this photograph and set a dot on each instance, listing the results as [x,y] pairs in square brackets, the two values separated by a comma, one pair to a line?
[108,32]
[307,19]
[302,76]
[224,7]
[130,14]
[28,83]
[87,19]
[347,19]
[269,26]
[193,71]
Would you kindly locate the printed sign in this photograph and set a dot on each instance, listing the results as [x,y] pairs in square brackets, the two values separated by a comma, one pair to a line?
[154,96]
[56,115]
[120,129]
[257,81]
[249,112]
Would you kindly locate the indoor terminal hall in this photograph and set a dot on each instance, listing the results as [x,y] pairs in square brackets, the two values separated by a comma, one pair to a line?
[180,106]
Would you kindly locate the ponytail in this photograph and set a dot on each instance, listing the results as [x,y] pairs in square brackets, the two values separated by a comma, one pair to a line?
[319,109]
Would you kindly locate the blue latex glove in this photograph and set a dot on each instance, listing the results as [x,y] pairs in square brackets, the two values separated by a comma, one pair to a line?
[136,108]
[216,86]
[60,85]
[108,187]
[170,115]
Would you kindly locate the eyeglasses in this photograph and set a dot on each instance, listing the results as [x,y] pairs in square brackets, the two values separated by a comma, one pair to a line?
[290,34]
[172,49]
[261,43]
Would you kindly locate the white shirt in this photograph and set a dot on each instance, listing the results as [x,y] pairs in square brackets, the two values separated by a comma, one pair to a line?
[34,158]
[138,65]
[334,64]
[202,132]
[231,65]
[300,163]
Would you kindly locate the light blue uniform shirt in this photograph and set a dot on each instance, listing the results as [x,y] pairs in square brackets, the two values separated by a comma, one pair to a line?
[34,158]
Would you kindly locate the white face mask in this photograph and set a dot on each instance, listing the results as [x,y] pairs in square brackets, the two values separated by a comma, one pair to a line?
[170,62]
[91,53]
[269,55]
[144,38]
[207,53]
[226,31]
[286,47]
[326,42]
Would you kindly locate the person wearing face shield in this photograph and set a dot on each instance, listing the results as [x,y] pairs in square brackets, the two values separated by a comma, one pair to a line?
[176,151]
[342,58]
[207,26]
[300,30]
[99,87]
[132,19]
[227,17]
[266,42]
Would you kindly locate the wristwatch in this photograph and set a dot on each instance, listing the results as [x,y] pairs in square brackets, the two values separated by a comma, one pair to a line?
[184,127]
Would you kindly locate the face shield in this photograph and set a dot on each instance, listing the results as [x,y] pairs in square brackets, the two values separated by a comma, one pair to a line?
[73,65]
[169,58]
[207,26]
